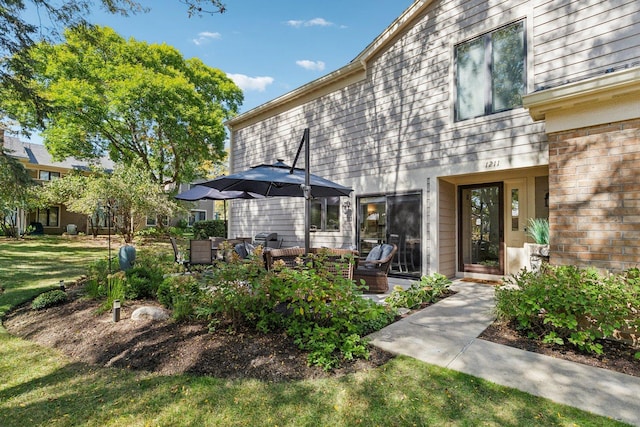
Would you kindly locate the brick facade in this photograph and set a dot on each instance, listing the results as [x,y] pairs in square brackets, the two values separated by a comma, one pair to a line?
[594,188]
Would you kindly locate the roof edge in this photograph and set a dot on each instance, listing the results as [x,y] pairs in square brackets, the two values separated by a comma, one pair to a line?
[584,92]
[331,81]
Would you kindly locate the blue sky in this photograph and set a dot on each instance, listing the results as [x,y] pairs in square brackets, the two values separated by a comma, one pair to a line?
[269,47]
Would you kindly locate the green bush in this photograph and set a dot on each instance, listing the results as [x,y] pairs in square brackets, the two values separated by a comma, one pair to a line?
[561,304]
[49,299]
[142,282]
[115,289]
[181,293]
[209,228]
[427,290]
[324,313]
[149,232]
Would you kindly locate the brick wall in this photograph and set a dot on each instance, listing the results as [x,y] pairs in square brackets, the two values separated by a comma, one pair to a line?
[594,189]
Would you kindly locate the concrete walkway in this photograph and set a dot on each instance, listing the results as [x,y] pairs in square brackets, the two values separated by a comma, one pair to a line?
[445,334]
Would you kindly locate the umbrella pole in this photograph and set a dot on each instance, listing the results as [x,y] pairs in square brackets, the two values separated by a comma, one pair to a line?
[307,193]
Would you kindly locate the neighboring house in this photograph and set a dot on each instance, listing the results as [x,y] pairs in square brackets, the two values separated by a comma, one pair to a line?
[57,219]
[37,160]
[461,121]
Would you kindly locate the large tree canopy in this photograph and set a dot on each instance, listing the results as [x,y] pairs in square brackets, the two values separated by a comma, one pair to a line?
[133,100]
[22,23]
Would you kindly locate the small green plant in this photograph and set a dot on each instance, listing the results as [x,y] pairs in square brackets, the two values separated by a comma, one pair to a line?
[427,290]
[182,294]
[49,299]
[115,289]
[538,230]
[142,282]
[565,304]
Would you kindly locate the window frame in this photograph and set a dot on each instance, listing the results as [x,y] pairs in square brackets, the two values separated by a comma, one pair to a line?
[192,219]
[51,175]
[324,214]
[48,214]
[488,66]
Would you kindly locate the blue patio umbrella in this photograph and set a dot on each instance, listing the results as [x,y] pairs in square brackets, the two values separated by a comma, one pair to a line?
[200,192]
[276,180]
[282,180]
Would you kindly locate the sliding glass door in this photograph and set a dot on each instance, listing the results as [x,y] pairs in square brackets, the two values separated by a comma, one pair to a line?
[393,219]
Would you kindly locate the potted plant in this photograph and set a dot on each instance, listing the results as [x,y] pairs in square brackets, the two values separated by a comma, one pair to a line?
[538,231]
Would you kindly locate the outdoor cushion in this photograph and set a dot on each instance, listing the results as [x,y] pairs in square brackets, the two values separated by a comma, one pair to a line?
[386,251]
[244,249]
[374,255]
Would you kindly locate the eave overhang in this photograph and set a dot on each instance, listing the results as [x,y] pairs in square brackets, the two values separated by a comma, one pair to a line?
[623,85]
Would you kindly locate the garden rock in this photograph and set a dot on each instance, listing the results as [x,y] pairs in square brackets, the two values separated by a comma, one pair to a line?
[149,313]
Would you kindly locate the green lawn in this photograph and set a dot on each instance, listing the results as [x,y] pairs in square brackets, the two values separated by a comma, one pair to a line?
[40,386]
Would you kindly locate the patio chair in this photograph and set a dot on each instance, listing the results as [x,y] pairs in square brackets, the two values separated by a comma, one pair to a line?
[200,252]
[337,261]
[178,256]
[375,268]
[287,255]
[215,246]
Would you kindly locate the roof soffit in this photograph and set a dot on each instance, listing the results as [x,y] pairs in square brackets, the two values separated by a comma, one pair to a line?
[584,93]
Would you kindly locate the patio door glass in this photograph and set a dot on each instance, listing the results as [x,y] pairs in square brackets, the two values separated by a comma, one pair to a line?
[393,219]
[481,227]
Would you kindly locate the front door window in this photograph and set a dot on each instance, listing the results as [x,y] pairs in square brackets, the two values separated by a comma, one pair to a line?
[482,229]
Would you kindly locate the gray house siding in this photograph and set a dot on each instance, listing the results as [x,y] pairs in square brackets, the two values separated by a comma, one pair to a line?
[394,130]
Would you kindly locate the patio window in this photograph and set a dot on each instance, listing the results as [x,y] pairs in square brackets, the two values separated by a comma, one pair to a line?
[49,217]
[48,175]
[195,216]
[490,72]
[325,214]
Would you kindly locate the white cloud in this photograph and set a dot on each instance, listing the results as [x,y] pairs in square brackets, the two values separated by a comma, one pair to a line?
[315,22]
[318,22]
[311,65]
[251,83]
[205,37]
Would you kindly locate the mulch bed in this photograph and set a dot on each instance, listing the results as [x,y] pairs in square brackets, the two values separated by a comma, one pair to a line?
[79,330]
[617,356]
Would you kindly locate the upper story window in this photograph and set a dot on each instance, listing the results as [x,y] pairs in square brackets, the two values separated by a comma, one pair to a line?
[491,72]
[325,214]
[48,175]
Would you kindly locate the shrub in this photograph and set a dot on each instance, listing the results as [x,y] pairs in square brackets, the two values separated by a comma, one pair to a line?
[49,299]
[181,293]
[209,228]
[142,282]
[115,289]
[324,313]
[427,290]
[560,304]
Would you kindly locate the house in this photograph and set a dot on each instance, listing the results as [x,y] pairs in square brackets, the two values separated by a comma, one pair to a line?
[459,123]
[57,219]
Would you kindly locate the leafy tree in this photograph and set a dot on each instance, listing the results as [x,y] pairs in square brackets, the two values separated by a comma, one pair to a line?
[15,186]
[19,33]
[139,103]
[126,195]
